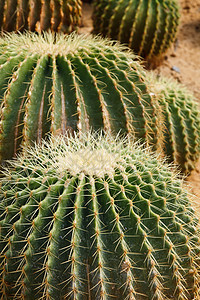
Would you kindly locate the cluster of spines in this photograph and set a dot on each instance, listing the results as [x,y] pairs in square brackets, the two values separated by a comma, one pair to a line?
[40,16]
[92,85]
[148,27]
[128,235]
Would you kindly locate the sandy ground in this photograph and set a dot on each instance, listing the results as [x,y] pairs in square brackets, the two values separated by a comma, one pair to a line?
[182,62]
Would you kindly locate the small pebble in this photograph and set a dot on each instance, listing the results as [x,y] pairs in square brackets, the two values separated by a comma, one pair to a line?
[176,69]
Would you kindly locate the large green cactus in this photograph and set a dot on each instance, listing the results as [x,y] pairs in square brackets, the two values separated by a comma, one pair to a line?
[96,218]
[181,121]
[148,27]
[37,15]
[54,83]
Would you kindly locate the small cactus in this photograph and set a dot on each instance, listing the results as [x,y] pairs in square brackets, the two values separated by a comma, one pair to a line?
[96,218]
[181,121]
[40,15]
[58,83]
[148,27]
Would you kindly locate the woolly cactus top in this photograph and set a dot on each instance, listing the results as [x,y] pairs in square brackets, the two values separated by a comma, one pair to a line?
[87,155]
[54,44]
[120,227]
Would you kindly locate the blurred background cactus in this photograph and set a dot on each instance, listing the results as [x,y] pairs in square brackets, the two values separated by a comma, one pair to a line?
[96,218]
[54,83]
[181,121]
[56,15]
[148,27]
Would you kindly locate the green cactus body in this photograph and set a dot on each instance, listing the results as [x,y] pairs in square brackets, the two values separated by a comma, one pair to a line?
[57,83]
[182,122]
[148,27]
[37,15]
[96,218]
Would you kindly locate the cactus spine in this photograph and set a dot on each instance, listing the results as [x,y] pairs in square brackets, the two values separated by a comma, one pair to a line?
[181,119]
[37,15]
[96,218]
[148,27]
[55,83]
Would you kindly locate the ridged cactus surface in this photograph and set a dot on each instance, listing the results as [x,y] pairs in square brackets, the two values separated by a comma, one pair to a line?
[96,218]
[148,27]
[181,121]
[37,15]
[55,83]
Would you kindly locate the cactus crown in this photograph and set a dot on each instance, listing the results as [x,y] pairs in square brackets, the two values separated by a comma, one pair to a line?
[127,231]
[91,154]
[55,44]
